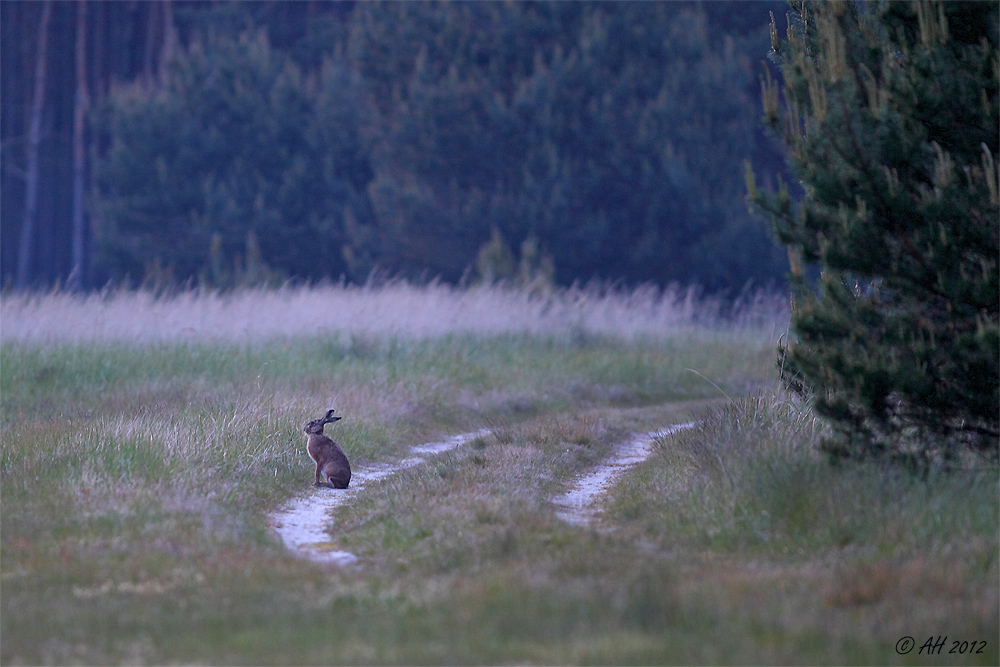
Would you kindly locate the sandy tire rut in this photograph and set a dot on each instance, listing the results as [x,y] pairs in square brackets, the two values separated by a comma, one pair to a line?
[579,505]
[302,524]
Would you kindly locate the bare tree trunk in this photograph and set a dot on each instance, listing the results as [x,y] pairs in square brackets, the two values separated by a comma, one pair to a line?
[75,280]
[169,42]
[148,56]
[34,140]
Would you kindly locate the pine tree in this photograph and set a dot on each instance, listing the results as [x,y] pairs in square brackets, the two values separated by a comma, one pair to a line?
[890,118]
[584,126]
[239,155]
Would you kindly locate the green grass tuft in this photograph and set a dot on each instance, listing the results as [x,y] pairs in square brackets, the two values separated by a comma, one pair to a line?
[138,472]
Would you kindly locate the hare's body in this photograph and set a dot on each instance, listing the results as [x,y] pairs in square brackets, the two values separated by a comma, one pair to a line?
[332,468]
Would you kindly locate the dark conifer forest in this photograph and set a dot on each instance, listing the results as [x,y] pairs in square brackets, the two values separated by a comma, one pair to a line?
[238,143]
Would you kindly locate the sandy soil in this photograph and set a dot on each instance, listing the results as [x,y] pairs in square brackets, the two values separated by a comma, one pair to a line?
[578,505]
[304,522]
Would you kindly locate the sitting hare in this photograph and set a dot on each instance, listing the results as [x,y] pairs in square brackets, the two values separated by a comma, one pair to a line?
[332,468]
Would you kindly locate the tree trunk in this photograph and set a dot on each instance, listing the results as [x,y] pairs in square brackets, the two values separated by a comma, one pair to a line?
[148,56]
[169,42]
[75,280]
[34,140]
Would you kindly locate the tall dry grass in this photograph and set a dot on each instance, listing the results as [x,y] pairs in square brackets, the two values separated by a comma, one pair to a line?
[396,309]
[145,439]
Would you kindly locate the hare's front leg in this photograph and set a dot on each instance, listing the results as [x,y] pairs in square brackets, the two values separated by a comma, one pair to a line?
[319,476]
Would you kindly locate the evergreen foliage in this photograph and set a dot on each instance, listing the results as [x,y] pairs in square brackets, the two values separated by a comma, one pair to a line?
[240,155]
[583,126]
[890,115]
[604,138]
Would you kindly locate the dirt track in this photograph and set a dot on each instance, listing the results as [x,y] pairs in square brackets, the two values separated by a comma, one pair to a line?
[303,523]
[578,503]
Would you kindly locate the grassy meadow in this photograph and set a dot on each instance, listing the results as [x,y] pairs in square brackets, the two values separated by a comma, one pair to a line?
[147,438]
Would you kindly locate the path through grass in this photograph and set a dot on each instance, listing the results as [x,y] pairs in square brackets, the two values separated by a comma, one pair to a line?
[138,472]
[581,504]
[303,524]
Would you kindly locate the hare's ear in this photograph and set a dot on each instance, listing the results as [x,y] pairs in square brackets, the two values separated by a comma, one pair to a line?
[329,415]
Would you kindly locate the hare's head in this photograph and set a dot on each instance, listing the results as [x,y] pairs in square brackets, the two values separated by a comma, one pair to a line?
[316,425]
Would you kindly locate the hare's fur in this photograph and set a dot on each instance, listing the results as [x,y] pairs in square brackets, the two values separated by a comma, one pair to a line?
[332,467]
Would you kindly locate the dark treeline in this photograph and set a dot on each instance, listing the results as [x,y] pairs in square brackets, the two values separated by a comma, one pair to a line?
[232,143]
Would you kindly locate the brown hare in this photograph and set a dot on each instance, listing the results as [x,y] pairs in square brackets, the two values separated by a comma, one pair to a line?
[332,468]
